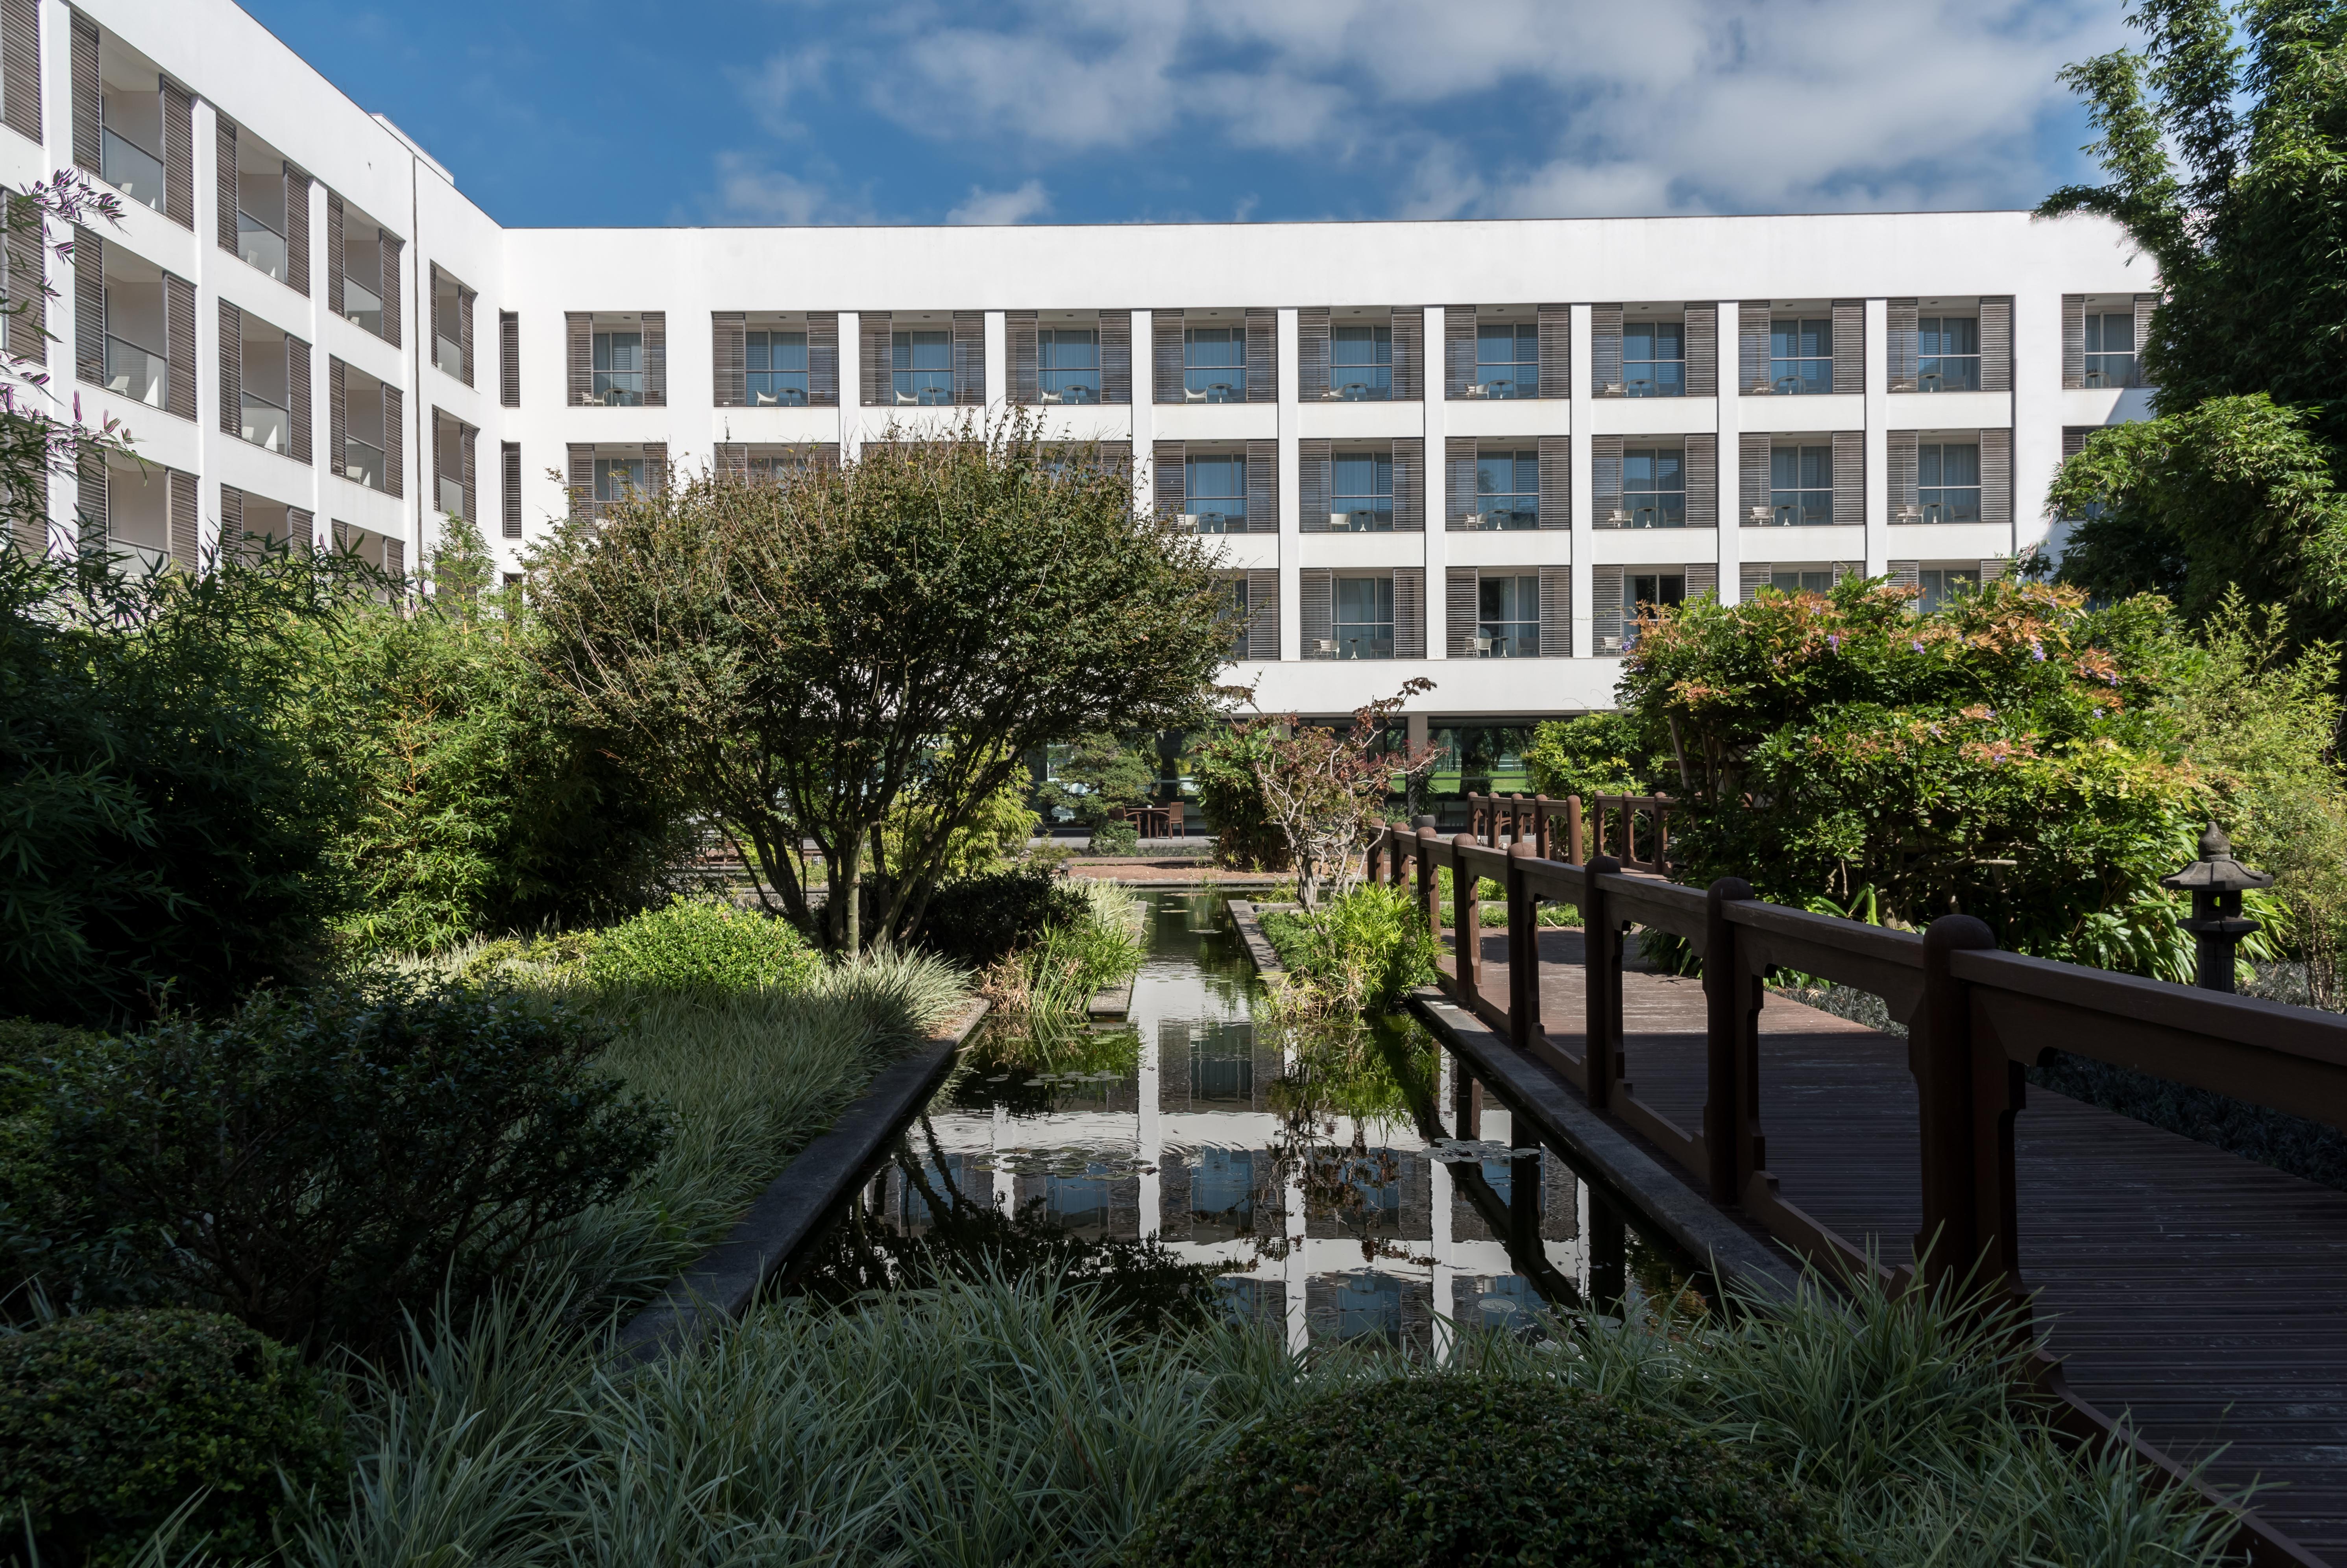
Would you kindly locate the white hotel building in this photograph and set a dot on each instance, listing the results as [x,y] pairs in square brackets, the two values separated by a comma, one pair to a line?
[1450,450]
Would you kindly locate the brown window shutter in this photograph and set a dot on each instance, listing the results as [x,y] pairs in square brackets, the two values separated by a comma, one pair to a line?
[1263,487]
[179,155]
[1605,610]
[297,230]
[1899,322]
[2074,440]
[1996,568]
[1556,480]
[179,347]
[1316,591]
[1702,577]
[1605,351]
[1899,458]
[509,487]
[578,356]
[297,400]
[1996,343]
[20,67]
[1907,574]
[395,441]
[1849,477]
[1458,480]
[1019,333]
[823,358]
[1409,613]
[655,359]
[469,457]
[1116,356]
[1165,378]
[1702,480]
[394,287]
[1555,329]
[27,285]
[729,356]
[94,534]
[1311,353]
[1409,485]
[1556,612]
[1262,614]
[1997,475]
[1752,346]
[1458,350]
[88,103]
[394,556]
[1752,475]
[1751,577]
[1410,353]
[1850,345]
[186,522]
[877,383]
[508,359]
[334,253]
[224,179]
[582,479]
[1262,355]
[730,459]
[656,467]
[338,407]
[232,514]
[970,359]
[1604,480]
[1170,481]
[2145,304]
[301,528]
[1703,350]
[464,331]
[342,535]
[2074,340]
[89,305]
[1462,588]
[432,484]
[1314,459]
[232,370]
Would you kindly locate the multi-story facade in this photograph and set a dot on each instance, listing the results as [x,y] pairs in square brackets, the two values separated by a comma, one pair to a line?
[1460,450]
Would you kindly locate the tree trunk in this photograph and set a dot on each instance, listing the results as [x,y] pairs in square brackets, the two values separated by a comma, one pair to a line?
[844,872]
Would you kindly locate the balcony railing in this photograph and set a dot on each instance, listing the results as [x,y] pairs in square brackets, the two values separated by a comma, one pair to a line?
[1362,520]
[777,388]
[1949,373]
[363,462]
[260,245]
[1493,641]
[1214,384]
[264,423]
[1359,383]
[1653,514]
[1364,643]
[452,495]
[617,389]
[1508,517]
[138,560]
[1658,378]
[362,306]
[131,168]
[1218,522]
[1079,386]
[1505,381]
[135,373]
[448,355]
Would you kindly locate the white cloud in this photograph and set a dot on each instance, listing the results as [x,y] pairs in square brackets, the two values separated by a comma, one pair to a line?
[1029,201]
[749,192]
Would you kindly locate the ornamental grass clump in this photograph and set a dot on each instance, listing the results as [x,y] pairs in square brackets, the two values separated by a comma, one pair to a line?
[700,945]
[1361,951]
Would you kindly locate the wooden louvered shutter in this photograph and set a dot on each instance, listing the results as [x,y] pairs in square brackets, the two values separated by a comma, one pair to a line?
[1409,613]
[1262,355]
[1263,487]
[394,286]
[823,358]
[1116,457]
[1409,485]
[1702,474]
[302,528]
[1997,475]
[1702,577]
[468,462]
[729,358]
[93,532]
[874,328]
[394,557]
[231,532]
[582,479]
[1313,479]
[1019,329]
[395,441]
[88,105]
[20,67]
[1312,353]
[185,521]
[1458,482]
[509,487]
[223,182]
[1752,477]
[1605,610]
[1555,331]
[89,304]
[508,359]
[1555,482]
[2074,440]
[297,230]
[1848,477]
[1316,591]
[1899,323]
[655,359]
[1996,568]
[297,399]
[1410,353]
[179,347]
[578,356]
[1703,350]
[1168,478]
[970,359]
[1752,576]
[655,467]
[1906,574]
[1752,346]
[1116,357]
[2074,340]
[334,254]
[1262,614]
[1605,481]
[1850,345]
[464,331]
[1458,350]
[1996,343]
[1166,364]
[338,409]
[1556,612]
[28,287]
[342,535]
[2145,304]
[1605,351]
[179,154]
[232,370]
[1461,586]
[1899,459]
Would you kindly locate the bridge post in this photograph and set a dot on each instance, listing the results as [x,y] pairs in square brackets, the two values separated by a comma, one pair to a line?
[1429,885]
[1466,924]
[1601,959]
[1524,950]
[1397,852]
[1372,858]
[1965,1105]
[1731,1110]
[1574,846]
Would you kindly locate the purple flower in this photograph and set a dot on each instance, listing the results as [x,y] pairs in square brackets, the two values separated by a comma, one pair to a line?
[1834,640]
[1919,645]
[2037,653]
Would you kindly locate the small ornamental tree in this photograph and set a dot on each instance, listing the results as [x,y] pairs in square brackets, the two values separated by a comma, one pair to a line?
[1323,789]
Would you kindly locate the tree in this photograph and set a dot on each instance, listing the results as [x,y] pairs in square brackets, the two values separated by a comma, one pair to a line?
[804,657]
[1099,777]
[1322,790]
[1594,755]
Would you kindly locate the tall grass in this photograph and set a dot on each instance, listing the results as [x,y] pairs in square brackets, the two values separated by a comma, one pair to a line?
[1058,973]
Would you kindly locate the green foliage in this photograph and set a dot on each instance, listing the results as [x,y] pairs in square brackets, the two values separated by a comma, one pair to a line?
[995,834]
[112,1421]
[1230,792]
[1099,776]
[1058,973]
[1405,1473]
[700,945]
[976,920]
[1594,755]
[1363,950]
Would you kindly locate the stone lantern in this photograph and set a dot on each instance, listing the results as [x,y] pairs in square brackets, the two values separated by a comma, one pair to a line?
[2215,882]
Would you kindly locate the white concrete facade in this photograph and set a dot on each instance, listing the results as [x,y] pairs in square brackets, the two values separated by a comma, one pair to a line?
[235,71]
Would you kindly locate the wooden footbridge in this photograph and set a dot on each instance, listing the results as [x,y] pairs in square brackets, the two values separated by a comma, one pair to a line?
[2192,1299]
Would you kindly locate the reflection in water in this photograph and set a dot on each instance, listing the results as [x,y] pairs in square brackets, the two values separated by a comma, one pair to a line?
[1338,1182]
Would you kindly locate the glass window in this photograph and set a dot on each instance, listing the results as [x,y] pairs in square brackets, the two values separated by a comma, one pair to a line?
[1067,364]
[1214,363]
[1507,617]
[1507,489]
[1654,359]
[921,366]
[2110,350]
[778,369]
[1360,362]
[1797,581]
[615,477]
[1507,360]
[1236,589]
[1800,354]
[1222,1067]
[1213,491]
[1800,485]
[1222,1188]
[1362,499]
[1645,591]
[771,469]
[1365,618]
[1940,584]
[1947,354]
[619,369]
[1654,487]
[1947,482]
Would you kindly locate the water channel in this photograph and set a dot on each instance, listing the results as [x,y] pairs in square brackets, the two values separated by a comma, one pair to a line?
[1343,1181]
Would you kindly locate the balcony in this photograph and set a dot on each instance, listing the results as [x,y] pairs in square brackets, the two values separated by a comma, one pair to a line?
[131,168]
[362,306]
[1509,517]
[1947,372]
[1370,642]
[137,559]
[1068,385]
[1650,512]
[452,495]
[262,246]
[617,389]
[135,373]
[448,355]
[777,388]
[1362,520]
[1216,522]
[362,463]
[1660,378]
[922,388]
[1504,382]
[1359,383]
[1506,640]
[264,423]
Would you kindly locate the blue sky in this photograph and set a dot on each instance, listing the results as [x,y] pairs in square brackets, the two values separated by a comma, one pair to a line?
[907,111]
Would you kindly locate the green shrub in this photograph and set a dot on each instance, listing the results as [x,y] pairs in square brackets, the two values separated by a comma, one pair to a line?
[702,945]
[1363,951]
[1398,1473]
[1231,794]
[112,1421]
[1594,755]
[975,920]
[1116,837]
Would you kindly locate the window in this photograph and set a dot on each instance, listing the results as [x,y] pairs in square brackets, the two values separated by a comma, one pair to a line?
[2110,350]
[1654,359]
[1235,591]
[1940,584]
[264,398]
[1222,1187]
[778,369]
[1067,364]
[1507,489]
[1214,488]
[362,271]
[1654,487]
[1507,617]
[1364,492]
[1214,363]
[1643,591]
[1360,362]
[1793,581]
[1800,485]
[261,214]
[616,476]
[130,155]
[1222,1067]
[1507,360]
[619,369]
[1947,482]
[1801,355]
[1365,618]
[921,366]
[773,468]
[1947,354]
